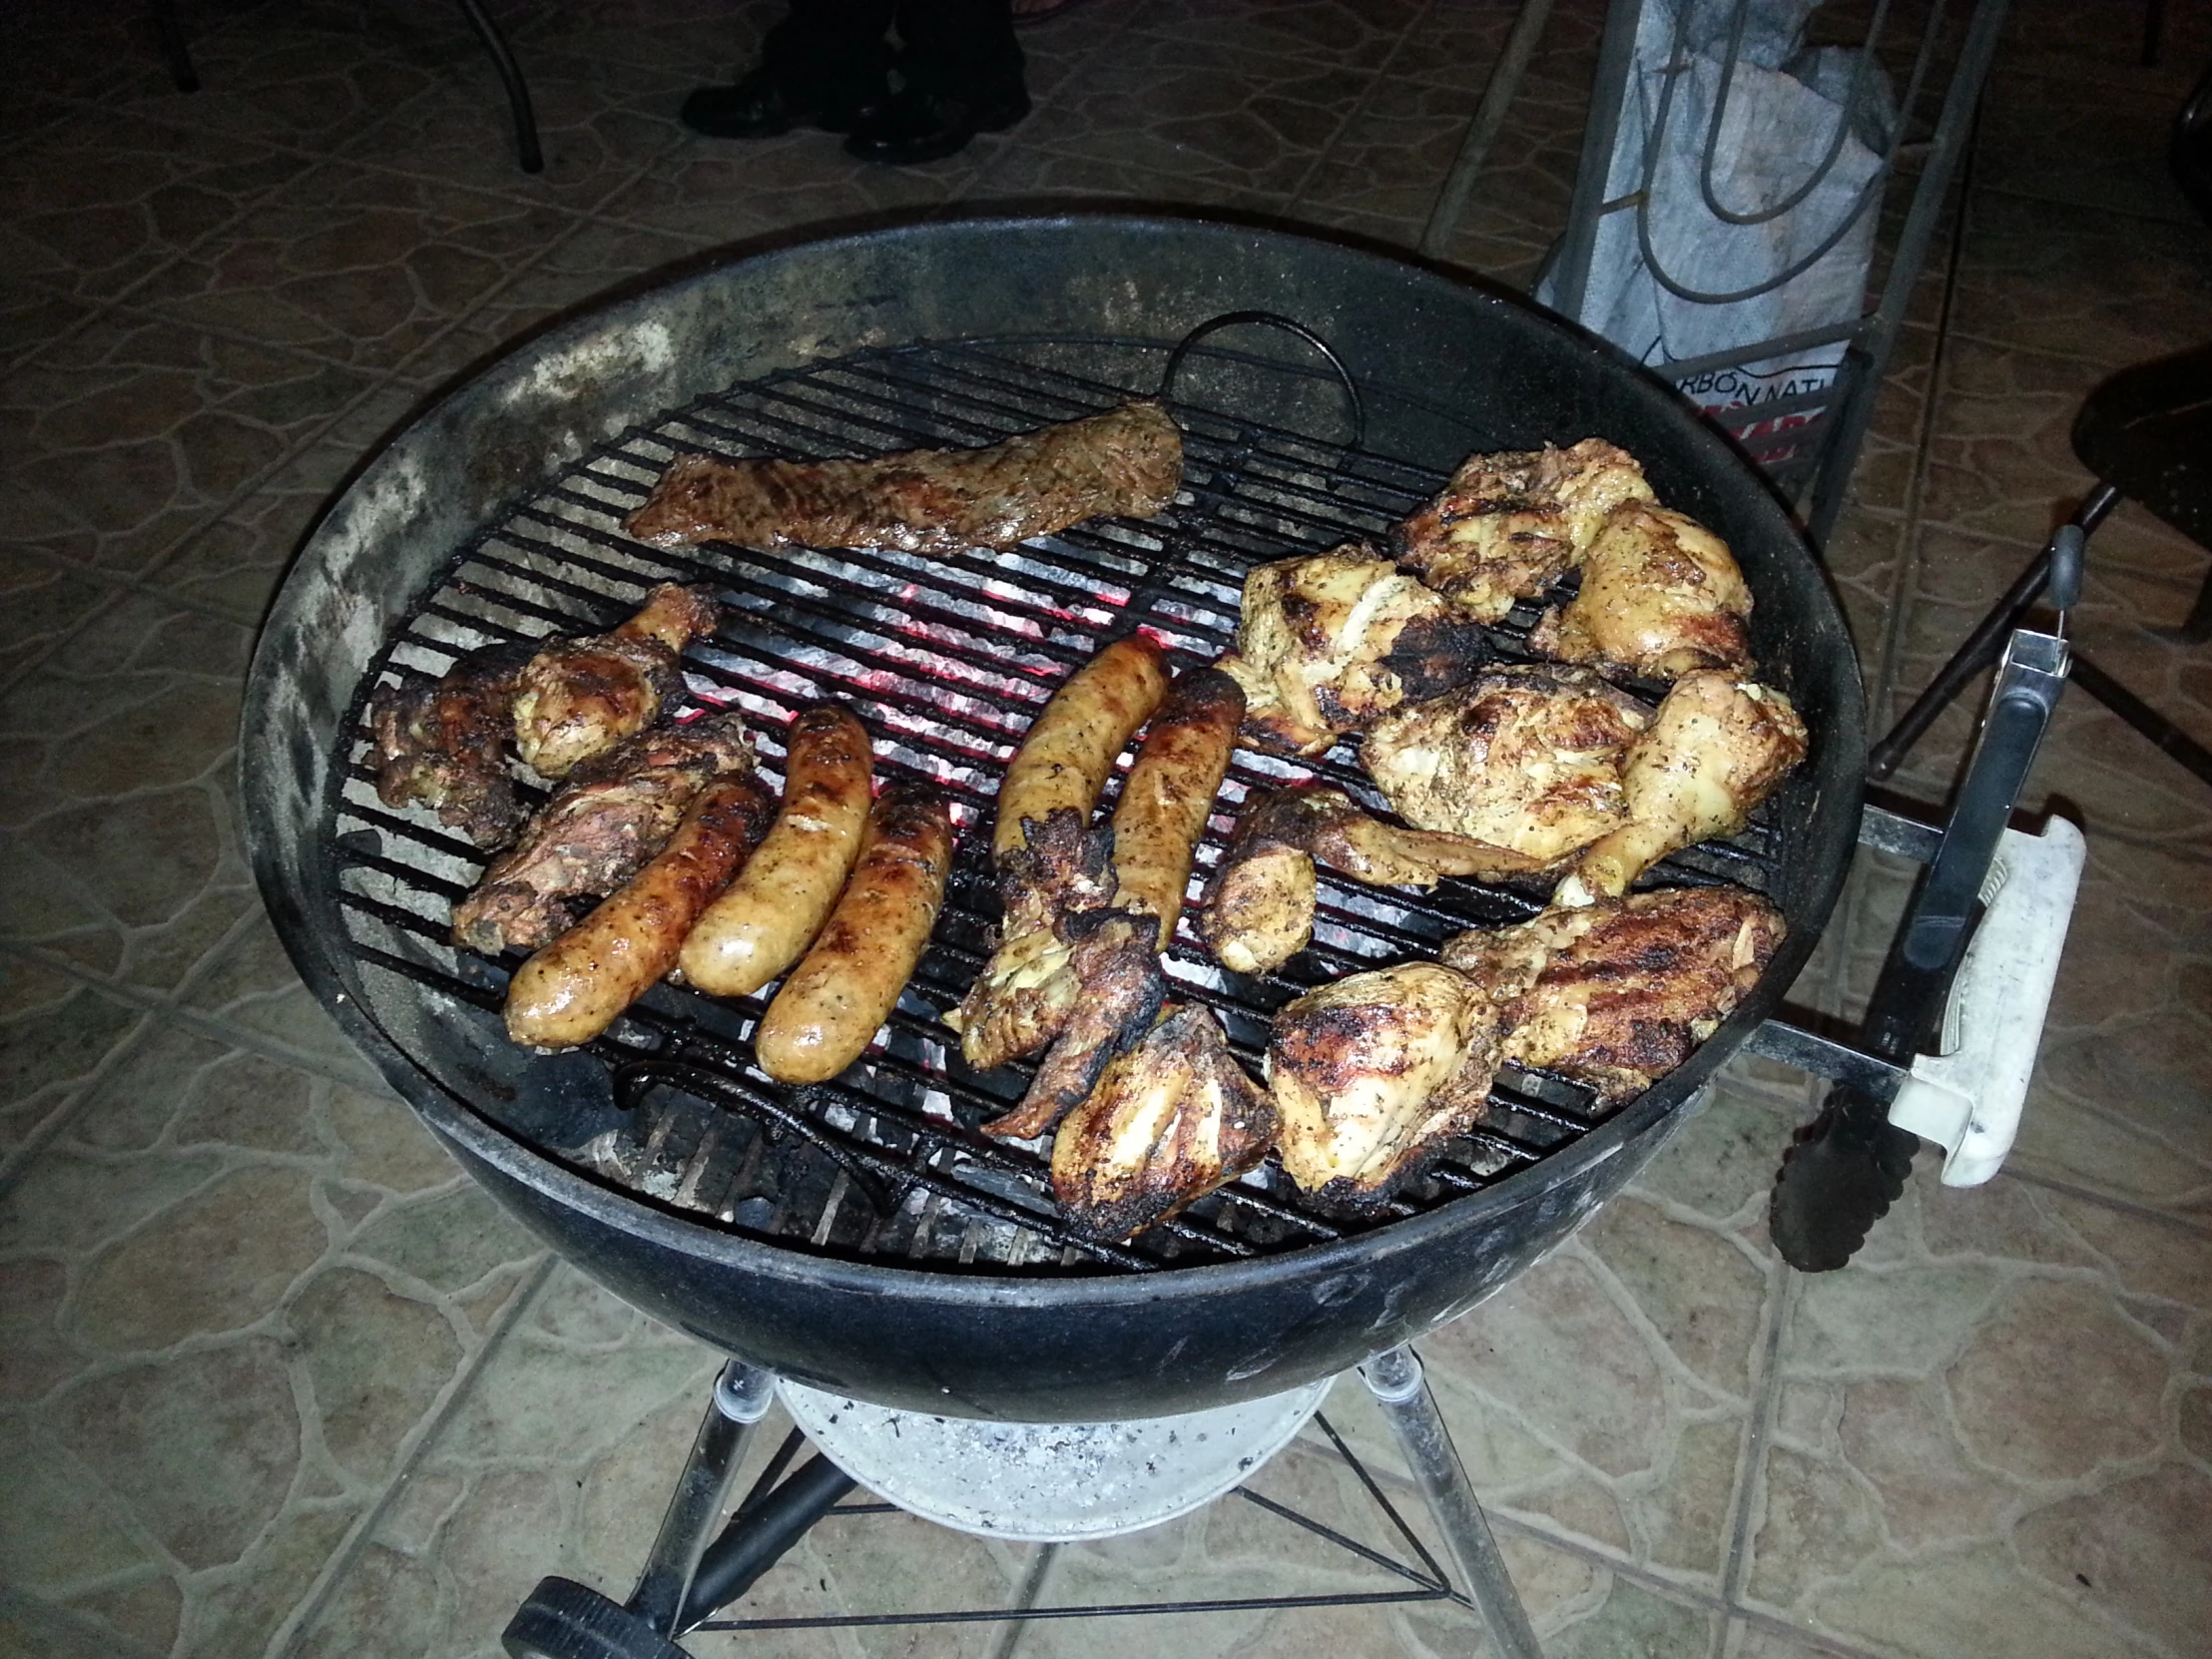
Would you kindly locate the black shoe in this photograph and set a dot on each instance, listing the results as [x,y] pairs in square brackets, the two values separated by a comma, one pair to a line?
[761,105]
[922,126]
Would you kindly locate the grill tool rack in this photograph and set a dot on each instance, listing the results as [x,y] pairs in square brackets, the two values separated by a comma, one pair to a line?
[1808,442]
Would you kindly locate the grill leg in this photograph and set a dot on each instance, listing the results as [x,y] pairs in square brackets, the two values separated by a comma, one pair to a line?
[742,1396]
[1394,1379]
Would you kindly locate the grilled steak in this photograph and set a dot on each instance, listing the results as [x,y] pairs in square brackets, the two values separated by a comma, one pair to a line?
[1127,462]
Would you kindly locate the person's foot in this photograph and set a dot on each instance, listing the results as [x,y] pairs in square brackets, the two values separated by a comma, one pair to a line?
[918,125]
[761,105]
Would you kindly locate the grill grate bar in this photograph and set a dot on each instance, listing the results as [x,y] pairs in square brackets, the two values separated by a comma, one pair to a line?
[947,657]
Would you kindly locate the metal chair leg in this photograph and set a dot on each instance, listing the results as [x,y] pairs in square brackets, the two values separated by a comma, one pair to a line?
[518,94]
[171,33]
[1394,1379]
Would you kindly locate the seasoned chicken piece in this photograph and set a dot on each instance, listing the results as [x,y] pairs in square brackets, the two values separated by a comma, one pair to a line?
[1170,1121]
[597,831]
[1661,595]
[443,744]
[1508,526]
[1114,961]
[1715,750]
[579,698]
[1330,642]
[1618,993]
[1374,1073]
[1028,988]
[1260,903]
[1525,757]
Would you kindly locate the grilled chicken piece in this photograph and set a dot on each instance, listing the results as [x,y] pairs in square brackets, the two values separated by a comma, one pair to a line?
[1508,526]
[597,831]
[1716,748]
[1330,642]
[1114,962]
[1372,1074]
[1618,993]
[443,744]
[579,698]
[1661,595]
[1127,462]
[1028,988]
[1170,1121]
[1260,903]
[1525,757]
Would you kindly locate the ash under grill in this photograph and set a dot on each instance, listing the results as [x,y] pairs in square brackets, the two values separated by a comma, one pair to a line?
[946,659]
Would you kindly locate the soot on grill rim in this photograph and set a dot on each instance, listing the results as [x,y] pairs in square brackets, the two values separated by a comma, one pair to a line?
[946,659]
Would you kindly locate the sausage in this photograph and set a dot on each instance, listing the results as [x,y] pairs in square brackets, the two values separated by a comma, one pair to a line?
[1071,745]
[1171,789]
[773,909]
[831,1006]
[574,988]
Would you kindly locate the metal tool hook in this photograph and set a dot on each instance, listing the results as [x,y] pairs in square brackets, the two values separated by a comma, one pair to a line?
[1273,320]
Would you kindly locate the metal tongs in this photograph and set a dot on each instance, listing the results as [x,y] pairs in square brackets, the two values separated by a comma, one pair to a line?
[1959,960]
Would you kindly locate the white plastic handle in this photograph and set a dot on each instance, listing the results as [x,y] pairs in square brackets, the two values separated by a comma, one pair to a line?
[1968,1097]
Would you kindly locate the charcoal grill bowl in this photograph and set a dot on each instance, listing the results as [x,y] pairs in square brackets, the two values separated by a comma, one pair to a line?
[1489,370]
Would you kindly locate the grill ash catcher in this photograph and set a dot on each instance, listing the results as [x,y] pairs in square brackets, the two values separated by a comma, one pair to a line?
[857,1246]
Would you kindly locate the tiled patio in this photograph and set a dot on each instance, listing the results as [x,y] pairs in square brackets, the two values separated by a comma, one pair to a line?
[274,1379]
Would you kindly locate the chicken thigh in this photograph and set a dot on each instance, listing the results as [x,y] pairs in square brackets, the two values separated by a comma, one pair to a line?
[1507,526]
[1661,595]
[1375,1072]
[1526,759]
[442,744]
[1330,642]
[1716,748]
[1618,993]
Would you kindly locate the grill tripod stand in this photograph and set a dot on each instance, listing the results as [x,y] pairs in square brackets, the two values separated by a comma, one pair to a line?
[688,1577]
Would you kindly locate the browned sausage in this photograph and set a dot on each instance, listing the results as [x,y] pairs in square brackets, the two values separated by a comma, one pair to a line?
[1162,807]
[575,987]
[831,1006]
[1071,745]
[773,911]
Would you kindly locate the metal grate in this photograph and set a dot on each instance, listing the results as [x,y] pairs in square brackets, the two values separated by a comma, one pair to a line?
[946,659]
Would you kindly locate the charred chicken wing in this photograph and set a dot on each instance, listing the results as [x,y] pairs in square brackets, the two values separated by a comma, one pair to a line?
[1170,1121]
[1525,757]
[1618,993]
[579,698]
[1372,1074]
[1330,643]
[443,744]
[1661,595]
[597,831]
[1716,748]
[1508,526]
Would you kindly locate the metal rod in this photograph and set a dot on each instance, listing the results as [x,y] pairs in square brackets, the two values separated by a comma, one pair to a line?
[1975,656]
[1483,131]
[1395,1378]
[761,1538]
[1961,100]
[1616,56]
[742,1396]
[510,73]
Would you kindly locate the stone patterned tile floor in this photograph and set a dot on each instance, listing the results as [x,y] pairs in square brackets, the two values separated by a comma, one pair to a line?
[276,1380]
